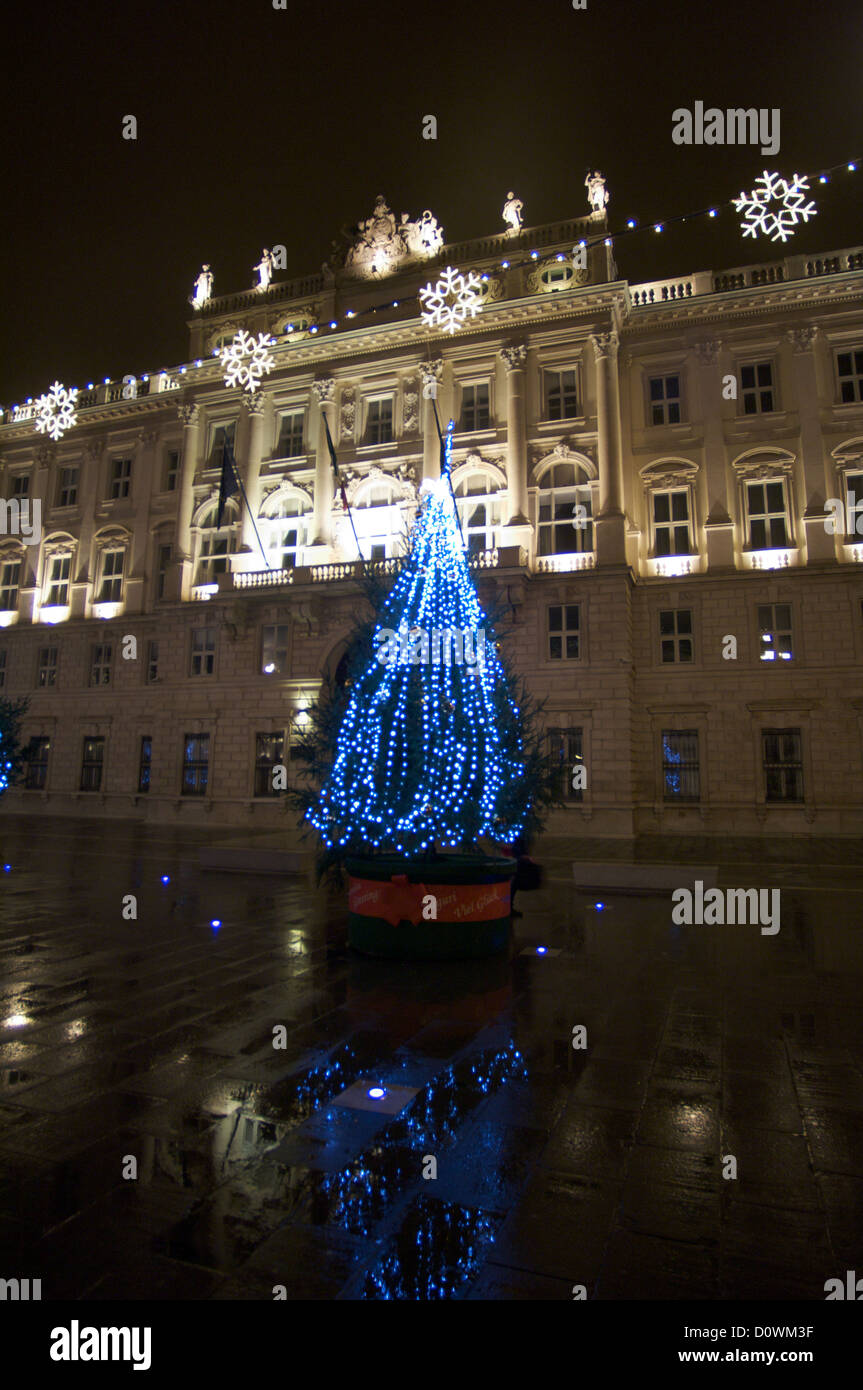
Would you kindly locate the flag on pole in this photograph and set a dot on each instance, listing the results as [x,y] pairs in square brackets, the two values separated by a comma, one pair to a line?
[341,487]
[229,483]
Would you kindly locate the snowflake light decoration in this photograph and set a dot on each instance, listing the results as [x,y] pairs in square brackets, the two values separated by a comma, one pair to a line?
[55,411]
[246,359]
[448,303]
[777,225]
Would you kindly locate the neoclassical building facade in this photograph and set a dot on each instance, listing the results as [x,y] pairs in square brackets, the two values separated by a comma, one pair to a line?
[648,478]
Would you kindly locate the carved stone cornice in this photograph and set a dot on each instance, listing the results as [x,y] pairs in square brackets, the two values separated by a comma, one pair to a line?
[605,344]
[514,357]
[802,338]
[324,388]
[256,404]
[189,413]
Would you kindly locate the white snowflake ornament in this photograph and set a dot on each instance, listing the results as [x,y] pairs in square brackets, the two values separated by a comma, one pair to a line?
[451,300]
[55,411]
[780,225]
[246,359]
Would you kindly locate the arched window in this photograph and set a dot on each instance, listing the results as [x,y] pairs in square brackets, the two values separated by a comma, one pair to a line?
[288,532]
[377,519]
[478,502]
[217,543]
[565,511]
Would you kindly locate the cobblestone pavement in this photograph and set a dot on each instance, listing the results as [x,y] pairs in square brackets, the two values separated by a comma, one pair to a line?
[153,1039]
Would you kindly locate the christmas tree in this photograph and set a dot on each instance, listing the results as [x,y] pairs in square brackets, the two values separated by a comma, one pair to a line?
[11,755]
[432,751]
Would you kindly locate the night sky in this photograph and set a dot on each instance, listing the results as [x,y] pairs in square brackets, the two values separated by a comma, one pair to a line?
[259,126]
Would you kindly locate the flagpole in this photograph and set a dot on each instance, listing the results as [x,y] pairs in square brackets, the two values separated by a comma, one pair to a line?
[445,467]
[341,488]
[249,510]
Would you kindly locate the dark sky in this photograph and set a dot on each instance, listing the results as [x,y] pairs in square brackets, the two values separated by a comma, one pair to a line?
[259,126]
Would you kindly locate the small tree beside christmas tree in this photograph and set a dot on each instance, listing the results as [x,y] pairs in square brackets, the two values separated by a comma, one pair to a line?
[11,753]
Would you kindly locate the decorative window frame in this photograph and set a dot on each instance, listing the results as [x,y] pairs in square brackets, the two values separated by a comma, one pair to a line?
[273,500]
[756,358]
[565,364]
[847,458]
[665,475]
[279,412]
[563,453]
[496,478]
[115,538]
[766,465]
[384,393]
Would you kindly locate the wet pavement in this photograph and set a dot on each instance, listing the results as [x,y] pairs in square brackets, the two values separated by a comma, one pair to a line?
[501,1162]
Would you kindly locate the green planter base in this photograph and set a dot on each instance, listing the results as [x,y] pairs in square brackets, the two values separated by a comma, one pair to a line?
[473,893]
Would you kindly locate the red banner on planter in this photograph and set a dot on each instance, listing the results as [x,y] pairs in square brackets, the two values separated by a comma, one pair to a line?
[400,901]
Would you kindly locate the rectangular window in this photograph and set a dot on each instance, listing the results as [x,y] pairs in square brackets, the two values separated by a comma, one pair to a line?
[274,650]
[121,479]
[2,669]
[675,635]
[563,631]
[172,469]
[681,779]
[671,534]
[144,761]
[475,407]
[291,435]
[664,400]
[379,424]
[223,435]
[196,762]
[854,504]
[269,754]
[162,563]
[68,487]
[565,754]
[756,387]
[111,590]
[46,667]
[152,661]
[782,756]
[91,764]
[849,369]
[10,578]
[203,662]
[36,759]
[774,631]
[101,654]
[21,485]
[765,503]
[561,396]
[58,581]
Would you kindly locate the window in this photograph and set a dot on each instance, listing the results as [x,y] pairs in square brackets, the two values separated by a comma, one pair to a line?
[288,532]
[222,439]
[377,518]
[675,634]
[774,629]
[756,386]
[671,523]
[112,576]
[475,408]
[68,496]
[21,485]
[216,545]
[765,504]
[563,529]
[203,662]
[565,755]
[196,760]
[854,504]
[478,505]
[782,758]
[563,631]
[10,578]
[121,479]
[681,780]
[101,654]
[849,369]
[269,753]
[36,759]
[46,667]
[274,650]
[172,470]
[152,661]
[163,560]
[561,396]
[664,400]
[144,762]
[291,441]
[58,581]
[379,422]
[91,764]
[557,277]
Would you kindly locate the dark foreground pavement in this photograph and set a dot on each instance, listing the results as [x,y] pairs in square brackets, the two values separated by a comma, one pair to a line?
[152,1040]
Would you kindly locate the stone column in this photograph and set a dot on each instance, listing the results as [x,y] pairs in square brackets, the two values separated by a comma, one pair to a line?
[514,359]
[713,486]
[254,406]
[610,527]
[817,484]
[190,414]
[324,391]
[430,374]
[145,484]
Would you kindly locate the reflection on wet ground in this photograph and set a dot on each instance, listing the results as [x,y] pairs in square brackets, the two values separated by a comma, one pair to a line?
[423,1130]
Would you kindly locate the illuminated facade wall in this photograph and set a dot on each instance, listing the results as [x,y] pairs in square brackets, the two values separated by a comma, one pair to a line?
[693,430]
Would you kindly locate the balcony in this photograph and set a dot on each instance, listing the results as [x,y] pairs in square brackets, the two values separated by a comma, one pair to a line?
[344,571]
[743,277]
